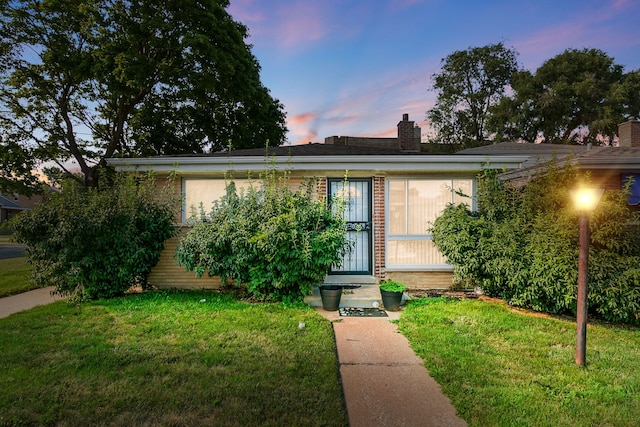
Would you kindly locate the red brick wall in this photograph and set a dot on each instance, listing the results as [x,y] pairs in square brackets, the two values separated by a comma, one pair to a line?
[629,133]
[378,227]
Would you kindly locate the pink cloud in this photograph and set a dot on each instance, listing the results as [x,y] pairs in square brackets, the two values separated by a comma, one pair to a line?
[299,119]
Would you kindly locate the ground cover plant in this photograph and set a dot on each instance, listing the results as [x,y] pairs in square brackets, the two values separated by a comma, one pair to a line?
[169,358]
[15,276]
[522,245]
[504,367]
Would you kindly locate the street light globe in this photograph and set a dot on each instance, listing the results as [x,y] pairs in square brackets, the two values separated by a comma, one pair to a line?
[586,199]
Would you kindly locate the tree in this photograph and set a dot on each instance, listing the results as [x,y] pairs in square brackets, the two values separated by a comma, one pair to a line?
[470,82]
[88,80]
[577,96]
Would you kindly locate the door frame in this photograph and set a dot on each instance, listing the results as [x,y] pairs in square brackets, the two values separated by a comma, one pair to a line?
[352,227]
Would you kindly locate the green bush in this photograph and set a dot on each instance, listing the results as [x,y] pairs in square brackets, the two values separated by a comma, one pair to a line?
[522,245]
[277,242]
[96,242]
[392,286]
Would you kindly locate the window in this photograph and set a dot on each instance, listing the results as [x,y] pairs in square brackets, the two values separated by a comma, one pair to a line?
[205,191]
[634,187]
[413,205]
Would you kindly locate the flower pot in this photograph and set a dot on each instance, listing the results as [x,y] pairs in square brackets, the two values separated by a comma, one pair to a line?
[391,300]
[330,295]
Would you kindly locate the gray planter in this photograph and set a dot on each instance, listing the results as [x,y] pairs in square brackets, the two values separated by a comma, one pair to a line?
[391,300]
[330,295]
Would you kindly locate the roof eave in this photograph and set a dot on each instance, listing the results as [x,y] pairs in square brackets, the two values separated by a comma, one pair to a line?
[452,163]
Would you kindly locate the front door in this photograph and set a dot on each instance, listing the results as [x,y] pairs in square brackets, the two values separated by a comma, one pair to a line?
[357,213]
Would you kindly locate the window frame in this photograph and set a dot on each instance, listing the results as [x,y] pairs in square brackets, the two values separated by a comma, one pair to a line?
[418,237]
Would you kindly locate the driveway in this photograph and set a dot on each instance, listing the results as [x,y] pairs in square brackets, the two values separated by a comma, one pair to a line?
[11,250]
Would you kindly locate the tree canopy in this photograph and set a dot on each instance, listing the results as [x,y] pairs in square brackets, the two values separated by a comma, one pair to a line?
[576,96]
[85,80]
[470,82]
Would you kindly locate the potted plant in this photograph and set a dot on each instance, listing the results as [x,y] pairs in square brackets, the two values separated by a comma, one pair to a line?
[391,292]
[330,295]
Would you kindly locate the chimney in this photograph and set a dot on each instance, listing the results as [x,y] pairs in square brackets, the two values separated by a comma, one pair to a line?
[629,133]
[408,134]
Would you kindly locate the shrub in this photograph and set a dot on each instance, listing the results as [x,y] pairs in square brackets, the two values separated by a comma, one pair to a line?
[522,245]
[96,242]
[392,286]
[273,240]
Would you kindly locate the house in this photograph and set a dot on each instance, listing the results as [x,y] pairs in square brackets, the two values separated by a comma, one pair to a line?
[395,191]
[610,167]
[13,204]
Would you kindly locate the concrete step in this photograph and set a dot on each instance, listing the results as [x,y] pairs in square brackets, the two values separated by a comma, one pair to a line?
[343,279]
[362,296]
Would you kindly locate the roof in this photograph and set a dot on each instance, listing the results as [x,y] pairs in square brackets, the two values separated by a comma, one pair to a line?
[311,149]
[537,153]
[319,157]
[5,203]
[596,158]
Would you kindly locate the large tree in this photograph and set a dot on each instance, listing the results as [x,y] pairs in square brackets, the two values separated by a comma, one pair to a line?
[470,82]
[85,80]
[576,96]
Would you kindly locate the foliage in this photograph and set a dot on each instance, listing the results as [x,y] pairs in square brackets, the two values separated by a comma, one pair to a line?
[505,367]
[274,240]
[576,96]
[169,358]
[392,286]
[96,242]
[522,245]
[90,80]
[470,82]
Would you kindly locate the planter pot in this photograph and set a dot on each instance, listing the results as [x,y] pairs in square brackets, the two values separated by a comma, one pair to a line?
[391,300]
[330,295]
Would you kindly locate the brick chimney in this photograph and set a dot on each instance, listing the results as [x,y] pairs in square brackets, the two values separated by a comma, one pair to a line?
[408,134]
[628,133]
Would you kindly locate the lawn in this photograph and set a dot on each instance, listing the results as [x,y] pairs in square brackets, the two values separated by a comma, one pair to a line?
[169,358]
[506,368]
[14,276]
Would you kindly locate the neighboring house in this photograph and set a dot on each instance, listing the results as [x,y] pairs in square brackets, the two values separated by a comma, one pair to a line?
[9,207]
[13,204]
[395,192]
[610,167]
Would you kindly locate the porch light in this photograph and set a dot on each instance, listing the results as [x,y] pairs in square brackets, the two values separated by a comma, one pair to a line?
[585,201]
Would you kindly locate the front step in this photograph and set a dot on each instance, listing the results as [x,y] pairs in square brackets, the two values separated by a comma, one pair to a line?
[363,296]
[350,280]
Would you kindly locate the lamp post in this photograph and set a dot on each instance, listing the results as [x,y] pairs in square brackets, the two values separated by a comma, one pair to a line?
[585,201]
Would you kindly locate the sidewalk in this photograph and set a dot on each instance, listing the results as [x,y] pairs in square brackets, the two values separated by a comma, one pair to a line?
[384,382]
[26,300]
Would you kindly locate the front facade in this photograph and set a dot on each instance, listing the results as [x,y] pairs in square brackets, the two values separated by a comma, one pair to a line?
[393,197]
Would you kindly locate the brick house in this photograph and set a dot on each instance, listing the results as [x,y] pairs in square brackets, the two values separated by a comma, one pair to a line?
[395,191]
[12,204]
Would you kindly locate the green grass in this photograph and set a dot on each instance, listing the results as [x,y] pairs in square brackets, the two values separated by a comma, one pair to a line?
[14,276]
[169,359]
[505,368]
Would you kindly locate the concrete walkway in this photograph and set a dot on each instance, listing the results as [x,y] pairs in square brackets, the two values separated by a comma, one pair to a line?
[27,300]
[384,382]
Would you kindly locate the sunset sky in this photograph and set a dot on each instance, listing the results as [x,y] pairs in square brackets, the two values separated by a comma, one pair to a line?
[353,67]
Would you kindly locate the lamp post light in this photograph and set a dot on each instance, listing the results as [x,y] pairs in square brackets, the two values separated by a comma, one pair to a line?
[585,200]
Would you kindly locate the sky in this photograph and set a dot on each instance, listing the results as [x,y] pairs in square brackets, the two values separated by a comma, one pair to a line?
[354,67]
